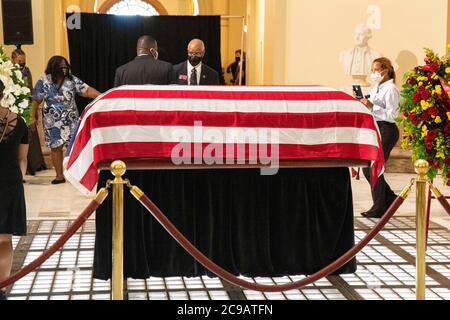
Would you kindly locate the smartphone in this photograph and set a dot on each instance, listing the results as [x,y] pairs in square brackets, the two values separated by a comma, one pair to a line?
[358,92]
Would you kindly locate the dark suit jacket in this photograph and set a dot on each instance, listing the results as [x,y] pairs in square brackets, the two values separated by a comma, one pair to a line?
[144,70]
[209,76]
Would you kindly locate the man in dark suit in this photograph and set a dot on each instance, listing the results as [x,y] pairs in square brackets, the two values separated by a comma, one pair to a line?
[235,69]
[194,71]
[145,68]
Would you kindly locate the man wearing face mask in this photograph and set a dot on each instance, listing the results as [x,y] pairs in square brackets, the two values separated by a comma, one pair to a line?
[384,104]
[145,68]
[19,57]
[235,68]
[193,71]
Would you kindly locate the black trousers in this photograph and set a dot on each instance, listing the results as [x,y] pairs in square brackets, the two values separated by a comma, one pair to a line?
[382,194]
[35,157]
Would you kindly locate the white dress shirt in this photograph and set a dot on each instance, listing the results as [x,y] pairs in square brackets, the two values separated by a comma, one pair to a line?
[385,98]
[189,71]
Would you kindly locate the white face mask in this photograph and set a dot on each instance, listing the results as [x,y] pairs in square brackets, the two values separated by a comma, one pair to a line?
[376,77]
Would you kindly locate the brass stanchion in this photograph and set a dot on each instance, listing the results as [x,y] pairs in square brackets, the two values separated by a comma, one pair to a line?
[118,169]
[421,168]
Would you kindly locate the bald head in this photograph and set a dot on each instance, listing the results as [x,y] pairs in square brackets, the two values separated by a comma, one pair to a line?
[196,47]
[145,44]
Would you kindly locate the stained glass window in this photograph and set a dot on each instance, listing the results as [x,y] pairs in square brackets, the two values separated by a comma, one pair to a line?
[133,8]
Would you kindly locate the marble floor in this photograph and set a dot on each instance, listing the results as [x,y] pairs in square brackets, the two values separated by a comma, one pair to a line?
[385,267]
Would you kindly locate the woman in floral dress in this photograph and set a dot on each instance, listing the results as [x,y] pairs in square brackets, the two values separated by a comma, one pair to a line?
[57,89]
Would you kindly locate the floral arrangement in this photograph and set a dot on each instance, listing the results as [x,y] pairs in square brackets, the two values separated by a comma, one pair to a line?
[426,111]
[16,95]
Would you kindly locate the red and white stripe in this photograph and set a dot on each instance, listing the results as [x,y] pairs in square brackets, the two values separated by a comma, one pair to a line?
[139,122]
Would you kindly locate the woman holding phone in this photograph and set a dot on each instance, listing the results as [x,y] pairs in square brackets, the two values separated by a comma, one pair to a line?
[384,103]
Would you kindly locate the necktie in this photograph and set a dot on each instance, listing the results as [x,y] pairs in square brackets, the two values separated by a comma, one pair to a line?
[194,77]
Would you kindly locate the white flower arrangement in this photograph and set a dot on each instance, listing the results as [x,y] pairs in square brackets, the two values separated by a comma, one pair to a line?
[16,95]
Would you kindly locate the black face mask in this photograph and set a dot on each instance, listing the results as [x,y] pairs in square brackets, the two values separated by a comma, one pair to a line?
[22,66]
[194,60]
[238,59]
[64,71]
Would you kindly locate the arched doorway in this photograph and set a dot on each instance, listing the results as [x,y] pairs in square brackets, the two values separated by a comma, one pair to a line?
[133,7]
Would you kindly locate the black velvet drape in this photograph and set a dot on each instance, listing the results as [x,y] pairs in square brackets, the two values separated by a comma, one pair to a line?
[293,223]
[104,42]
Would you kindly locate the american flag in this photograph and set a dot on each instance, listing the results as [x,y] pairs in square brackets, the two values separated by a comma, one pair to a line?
[312,122]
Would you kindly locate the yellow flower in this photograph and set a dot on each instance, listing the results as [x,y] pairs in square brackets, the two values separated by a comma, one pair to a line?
[448,115]
[438,90]
[420,83]
[447,70]
[438,119]
[425,105]
[424,131]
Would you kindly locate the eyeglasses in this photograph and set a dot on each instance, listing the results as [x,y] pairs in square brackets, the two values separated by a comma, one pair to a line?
[196,54]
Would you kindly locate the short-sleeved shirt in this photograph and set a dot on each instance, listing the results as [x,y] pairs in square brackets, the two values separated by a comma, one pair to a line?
[60,114]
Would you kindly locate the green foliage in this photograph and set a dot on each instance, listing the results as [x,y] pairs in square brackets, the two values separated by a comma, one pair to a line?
[425,108]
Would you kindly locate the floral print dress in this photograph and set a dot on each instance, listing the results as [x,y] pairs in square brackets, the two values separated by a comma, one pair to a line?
[60,114]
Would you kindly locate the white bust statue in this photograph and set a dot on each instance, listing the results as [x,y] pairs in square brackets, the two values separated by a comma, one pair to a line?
[357,61]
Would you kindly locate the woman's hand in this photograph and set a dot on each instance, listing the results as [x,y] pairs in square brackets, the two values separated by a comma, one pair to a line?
[367,103]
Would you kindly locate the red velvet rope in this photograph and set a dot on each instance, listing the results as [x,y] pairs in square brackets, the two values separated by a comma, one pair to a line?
[213,267]
[55,247]
[444,203]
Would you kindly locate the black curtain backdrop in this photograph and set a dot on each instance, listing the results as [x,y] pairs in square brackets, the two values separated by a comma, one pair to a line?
[105,42]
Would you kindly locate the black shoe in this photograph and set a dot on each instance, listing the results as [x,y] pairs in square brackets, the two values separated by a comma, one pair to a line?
[372,214]
[3,296]
[58,181]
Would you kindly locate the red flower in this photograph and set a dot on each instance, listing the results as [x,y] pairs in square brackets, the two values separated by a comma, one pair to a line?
[437,164]
[417,97]
[447,131]
[429,147]
[433,111]
[447,162]
[431,67]
[431,136]
[414,119]
[411,81]
[424,94]
[426,115]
